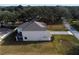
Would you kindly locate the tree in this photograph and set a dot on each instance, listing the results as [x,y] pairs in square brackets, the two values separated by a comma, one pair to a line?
[7,16]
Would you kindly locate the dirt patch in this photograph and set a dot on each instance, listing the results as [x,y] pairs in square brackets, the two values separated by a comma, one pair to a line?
[66,43]
[59,27]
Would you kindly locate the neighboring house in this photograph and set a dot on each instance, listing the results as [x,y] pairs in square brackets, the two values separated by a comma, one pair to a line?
[33,31]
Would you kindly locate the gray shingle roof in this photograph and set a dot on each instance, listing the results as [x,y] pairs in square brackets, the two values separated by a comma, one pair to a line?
[33,26]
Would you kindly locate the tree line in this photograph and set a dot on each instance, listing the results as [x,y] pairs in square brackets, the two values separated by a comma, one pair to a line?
[48,14]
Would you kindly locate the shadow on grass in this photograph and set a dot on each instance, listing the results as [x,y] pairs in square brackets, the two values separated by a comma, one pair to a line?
[11,40]
[74,51]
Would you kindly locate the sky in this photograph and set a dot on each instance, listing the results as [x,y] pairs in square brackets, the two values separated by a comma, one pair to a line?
[39,2]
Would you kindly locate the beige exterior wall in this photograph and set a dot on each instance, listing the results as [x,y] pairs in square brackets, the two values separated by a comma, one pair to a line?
[36,35]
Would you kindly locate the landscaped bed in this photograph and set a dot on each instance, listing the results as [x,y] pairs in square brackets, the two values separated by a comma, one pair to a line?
[74,23]
[60,44]
[57,27]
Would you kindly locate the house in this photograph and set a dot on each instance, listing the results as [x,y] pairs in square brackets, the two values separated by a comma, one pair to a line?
[33,31]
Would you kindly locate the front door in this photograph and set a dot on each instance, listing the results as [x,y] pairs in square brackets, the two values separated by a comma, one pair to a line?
[19,36]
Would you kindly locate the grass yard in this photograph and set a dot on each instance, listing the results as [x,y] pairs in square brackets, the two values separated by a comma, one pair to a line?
[61,44]
[57,27]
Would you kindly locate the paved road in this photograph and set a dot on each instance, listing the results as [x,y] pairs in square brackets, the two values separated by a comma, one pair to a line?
[3,32]
[61,33]
[71,29]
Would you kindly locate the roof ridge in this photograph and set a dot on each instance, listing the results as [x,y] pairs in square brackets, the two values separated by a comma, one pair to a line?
[35,25]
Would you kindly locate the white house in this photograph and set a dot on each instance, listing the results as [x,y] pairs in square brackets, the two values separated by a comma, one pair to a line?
[33,31]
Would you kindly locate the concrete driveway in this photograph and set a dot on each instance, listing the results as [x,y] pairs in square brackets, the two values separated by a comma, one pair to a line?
[61,33]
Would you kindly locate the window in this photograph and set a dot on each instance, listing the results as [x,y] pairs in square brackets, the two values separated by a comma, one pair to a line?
[25,37]
[20,33]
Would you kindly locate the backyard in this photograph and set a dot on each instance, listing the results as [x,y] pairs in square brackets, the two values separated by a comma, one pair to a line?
[60,44]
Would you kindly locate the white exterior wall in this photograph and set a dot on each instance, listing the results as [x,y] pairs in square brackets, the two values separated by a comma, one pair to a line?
[36,35]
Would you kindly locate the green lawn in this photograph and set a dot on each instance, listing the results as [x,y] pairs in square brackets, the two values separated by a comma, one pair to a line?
[60,44]
[57,27]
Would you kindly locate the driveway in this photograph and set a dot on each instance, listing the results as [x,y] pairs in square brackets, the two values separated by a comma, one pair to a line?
[61,33]
[3,32]
[71,29]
